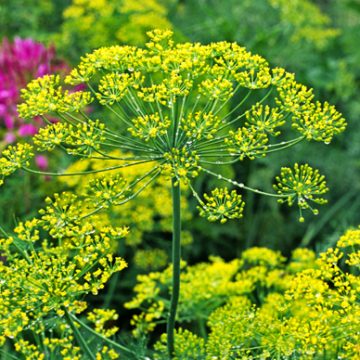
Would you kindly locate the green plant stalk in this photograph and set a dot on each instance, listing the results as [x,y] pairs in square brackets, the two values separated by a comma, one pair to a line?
[112,288]
[80,340]
[201,321]
[176,256]
[100,336]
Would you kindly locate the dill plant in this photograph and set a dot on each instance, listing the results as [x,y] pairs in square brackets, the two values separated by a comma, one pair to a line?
[168,106]
[261,305]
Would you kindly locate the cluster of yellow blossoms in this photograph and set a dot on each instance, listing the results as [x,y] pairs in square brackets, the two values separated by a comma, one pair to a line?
[89,24]
[307,21]
[14,158]
[222,205]
[47,267]
[147,203]
[168,106]
[305,182]
[261,306]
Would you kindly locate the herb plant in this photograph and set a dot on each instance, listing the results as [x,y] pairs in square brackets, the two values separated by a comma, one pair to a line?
[171,105]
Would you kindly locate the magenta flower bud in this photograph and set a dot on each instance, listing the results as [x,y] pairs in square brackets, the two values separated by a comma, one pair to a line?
[9,121]
[27,130]
[41,162]
[9,138]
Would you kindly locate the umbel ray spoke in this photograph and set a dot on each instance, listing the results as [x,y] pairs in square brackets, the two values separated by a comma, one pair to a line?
[111,168]
[240,185]
[129,188]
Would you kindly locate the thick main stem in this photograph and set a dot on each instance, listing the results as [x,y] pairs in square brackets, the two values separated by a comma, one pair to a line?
[176,256]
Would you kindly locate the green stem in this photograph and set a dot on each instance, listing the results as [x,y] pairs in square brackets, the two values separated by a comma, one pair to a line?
[18,248]
[80,340]
[6,354]
[176,256]
[87,171]
[243,186]
[202,327]
[111,291]
[100,336]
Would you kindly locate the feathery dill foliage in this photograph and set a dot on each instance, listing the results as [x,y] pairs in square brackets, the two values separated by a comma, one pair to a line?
[170,100]
[261,306]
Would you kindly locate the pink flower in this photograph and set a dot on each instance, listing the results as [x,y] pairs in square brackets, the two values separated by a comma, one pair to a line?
[41,162]
[27,130]
[21,61]
[9,137]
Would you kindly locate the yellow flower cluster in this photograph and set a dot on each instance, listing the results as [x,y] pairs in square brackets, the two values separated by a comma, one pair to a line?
[217,88]
[62,346]
[28,230]
[200,125]
[292,96]
[265,119]
[106,353]
[75,101]
[94,23]
[181,164]
[41,97]
[80,139]
[189,346]
[45,95]
[149,126]
[306,20]
[52,263]
[99,317]
[106,190]
[14,158]
[302,185]
[350,241]
[322,123]
[167,103]
[51,136]
[139,214]
[114,86]
[222,205]
[261,306]
[247,142]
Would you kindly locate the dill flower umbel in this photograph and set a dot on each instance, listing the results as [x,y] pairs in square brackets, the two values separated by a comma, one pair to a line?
[169,106]
[170,101]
